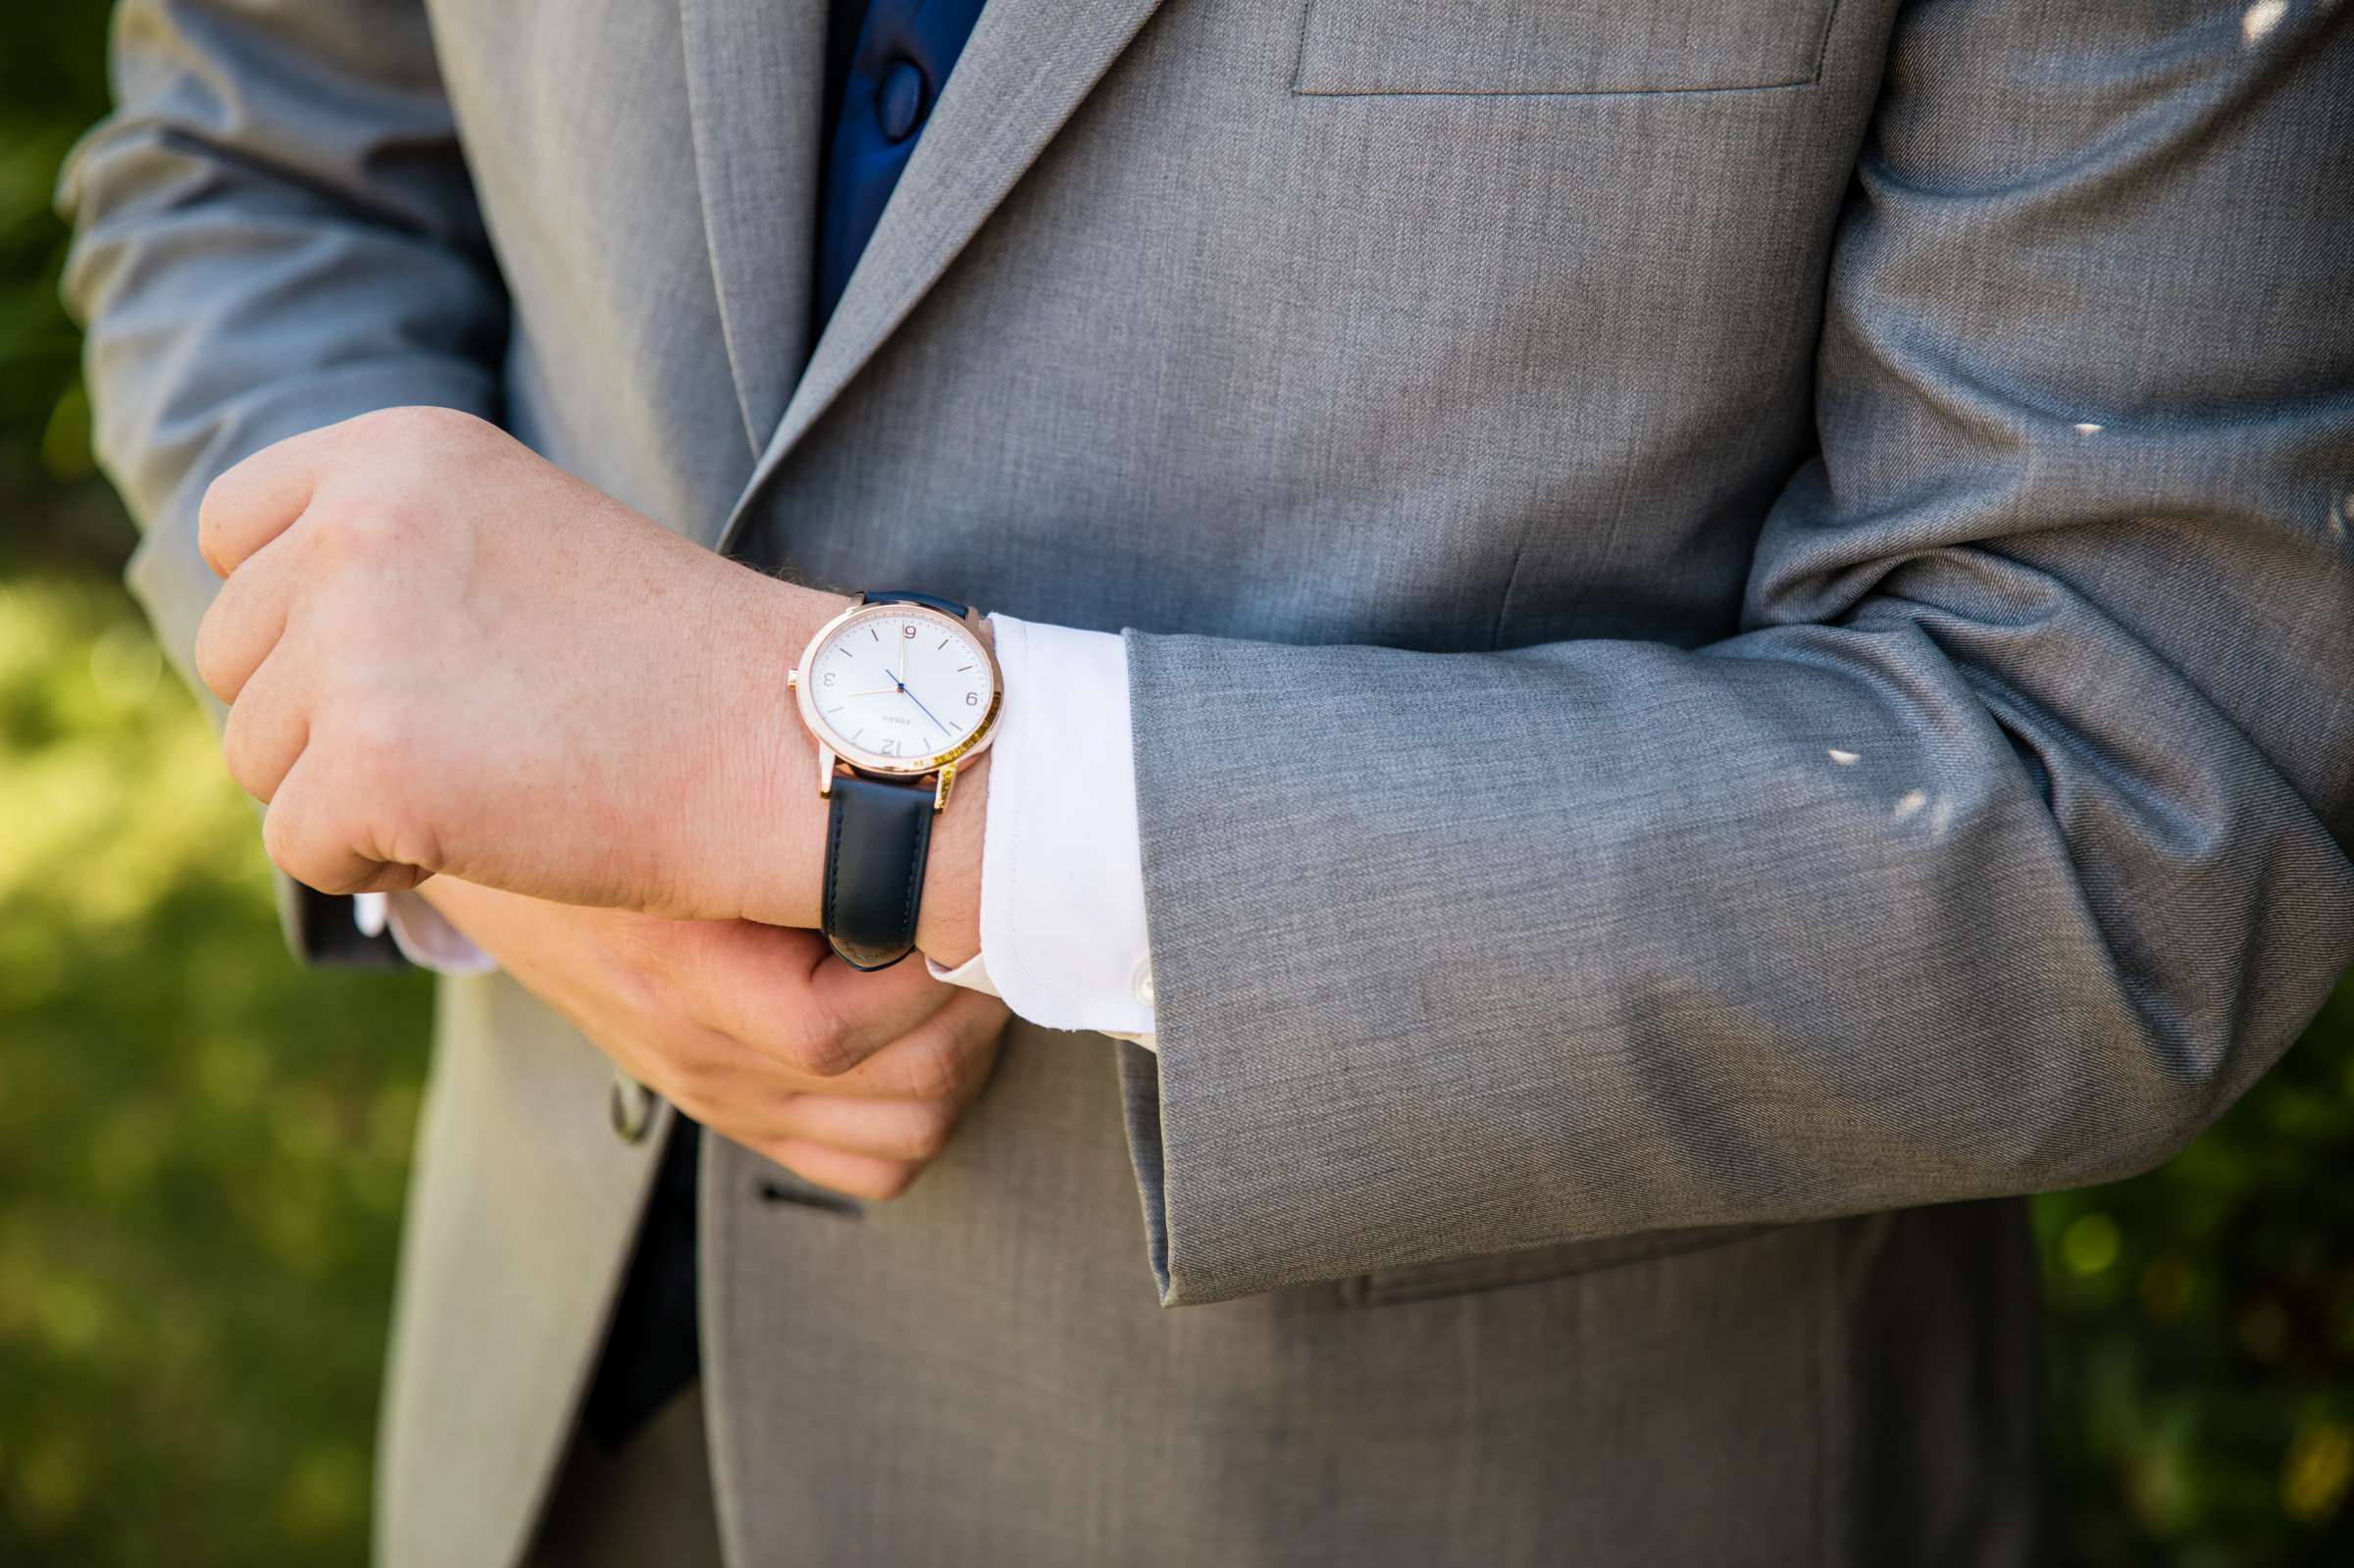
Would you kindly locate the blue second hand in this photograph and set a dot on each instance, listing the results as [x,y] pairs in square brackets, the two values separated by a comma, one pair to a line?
[919,704]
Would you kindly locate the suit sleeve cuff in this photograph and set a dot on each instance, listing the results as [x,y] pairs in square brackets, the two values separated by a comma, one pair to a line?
[1062,879]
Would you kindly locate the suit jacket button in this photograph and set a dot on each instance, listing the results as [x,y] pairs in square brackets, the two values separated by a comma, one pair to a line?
[632,1107]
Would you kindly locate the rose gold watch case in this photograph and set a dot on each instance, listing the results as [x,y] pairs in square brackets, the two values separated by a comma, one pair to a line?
[832,748]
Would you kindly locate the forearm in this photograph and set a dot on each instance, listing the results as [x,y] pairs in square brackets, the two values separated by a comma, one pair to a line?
[1788,929]
[2001,851]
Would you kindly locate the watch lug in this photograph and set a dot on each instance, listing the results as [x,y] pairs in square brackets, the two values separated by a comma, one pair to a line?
[940,791]
[793,678]
[825,772]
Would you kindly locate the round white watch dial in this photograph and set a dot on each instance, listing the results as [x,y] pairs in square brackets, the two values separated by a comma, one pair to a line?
[898,687]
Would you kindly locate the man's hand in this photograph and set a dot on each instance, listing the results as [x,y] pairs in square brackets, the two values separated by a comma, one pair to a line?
[445,655]
[854,1081]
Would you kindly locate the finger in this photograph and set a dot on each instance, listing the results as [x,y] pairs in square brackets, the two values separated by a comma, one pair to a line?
[306,833]
[857,1175]
[246,620]
[886,1130]
[257,499]
[268,728]
[850,1014]
[719,1082]
[783,992]
[947,1057]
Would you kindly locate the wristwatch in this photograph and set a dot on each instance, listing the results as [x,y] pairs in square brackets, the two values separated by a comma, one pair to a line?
[897,689]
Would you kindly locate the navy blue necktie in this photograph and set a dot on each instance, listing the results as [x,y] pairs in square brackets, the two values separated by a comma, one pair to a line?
[898,57]
[886,62]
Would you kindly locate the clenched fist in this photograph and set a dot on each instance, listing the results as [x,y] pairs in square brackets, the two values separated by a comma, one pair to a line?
[442,654]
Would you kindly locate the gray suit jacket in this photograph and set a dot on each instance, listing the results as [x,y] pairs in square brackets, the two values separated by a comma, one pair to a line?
[1738,613]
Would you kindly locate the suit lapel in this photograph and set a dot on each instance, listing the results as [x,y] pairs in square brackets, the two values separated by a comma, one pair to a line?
[1028,65]
[755,94]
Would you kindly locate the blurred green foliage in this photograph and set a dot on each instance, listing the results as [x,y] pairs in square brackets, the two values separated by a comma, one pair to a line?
[202,1147]
[52,85]
[2202,1340]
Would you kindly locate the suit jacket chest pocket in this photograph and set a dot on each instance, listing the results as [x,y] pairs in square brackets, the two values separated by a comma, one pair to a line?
[1569,47]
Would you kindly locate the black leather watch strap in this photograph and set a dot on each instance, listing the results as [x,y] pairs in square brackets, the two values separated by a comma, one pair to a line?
[930,602]
[877,835]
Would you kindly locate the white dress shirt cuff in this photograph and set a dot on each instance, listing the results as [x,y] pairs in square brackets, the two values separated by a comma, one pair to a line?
[1062,870]
[425,938]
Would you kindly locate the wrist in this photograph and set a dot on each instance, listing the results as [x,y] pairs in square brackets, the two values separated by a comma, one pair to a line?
[775,853]
[771,852]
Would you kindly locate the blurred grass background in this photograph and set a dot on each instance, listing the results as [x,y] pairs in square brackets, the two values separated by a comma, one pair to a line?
[202,1147]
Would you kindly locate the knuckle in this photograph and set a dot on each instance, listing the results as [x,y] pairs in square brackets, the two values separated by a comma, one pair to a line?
[691,1071]
[236,750]
[363,768]
[354,536]
[208,550]
[281,834]
[295,842]
[946,1063]
[411,848]
[211,654]
[211,515]
[638,969]
[413,422]
[388,877]
[931,1132]
[821,1045]
[937,1073]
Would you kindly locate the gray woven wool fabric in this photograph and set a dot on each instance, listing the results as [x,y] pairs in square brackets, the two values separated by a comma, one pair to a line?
[1738,616]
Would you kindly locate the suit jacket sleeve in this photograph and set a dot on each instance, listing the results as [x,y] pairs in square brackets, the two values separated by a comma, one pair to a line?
[2001,845]
[274,232]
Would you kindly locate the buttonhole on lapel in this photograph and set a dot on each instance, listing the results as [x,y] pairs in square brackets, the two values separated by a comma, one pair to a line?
[810,1198]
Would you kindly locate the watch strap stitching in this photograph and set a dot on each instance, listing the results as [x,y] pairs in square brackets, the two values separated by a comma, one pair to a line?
[915,878]
[825,914]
